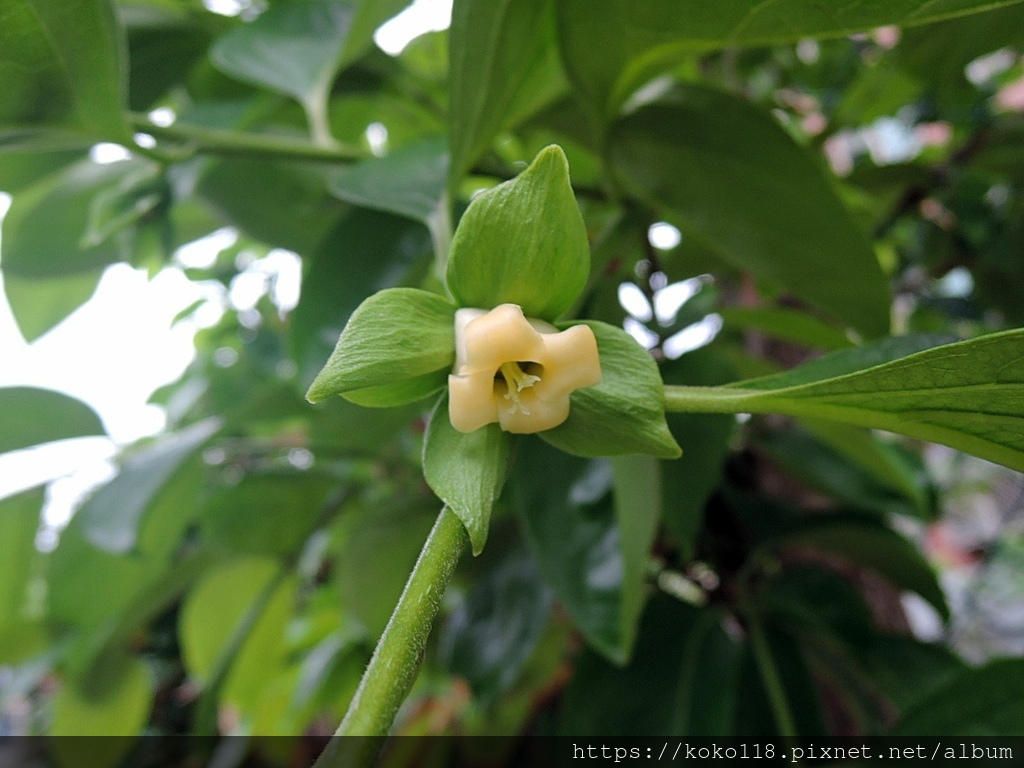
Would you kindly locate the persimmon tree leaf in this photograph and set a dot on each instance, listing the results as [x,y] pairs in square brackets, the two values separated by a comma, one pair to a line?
[61,66]
[968,395]
[33,416]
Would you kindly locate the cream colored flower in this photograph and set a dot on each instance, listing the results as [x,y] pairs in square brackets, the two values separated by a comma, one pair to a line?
[517,371]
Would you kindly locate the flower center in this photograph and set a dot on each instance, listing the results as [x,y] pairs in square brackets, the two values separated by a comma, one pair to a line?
[516,380]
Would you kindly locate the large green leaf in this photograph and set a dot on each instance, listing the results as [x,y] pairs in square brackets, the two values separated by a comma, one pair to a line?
[729,175]
[523,242]
[33,416]
[466,470]
[503,64]
[611,47]
[968,395]
[61,70]
[580,531]
[988,701]
[44,232]
[112,518]
[122,710]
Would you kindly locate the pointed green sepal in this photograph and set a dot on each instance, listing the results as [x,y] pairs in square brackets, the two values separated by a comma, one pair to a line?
[397,347]
[466,470]
[523,242]
[625,413]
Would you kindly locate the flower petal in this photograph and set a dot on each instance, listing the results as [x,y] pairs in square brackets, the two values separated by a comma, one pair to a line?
[500,336]
[570,362]
[532,414]
[471,402]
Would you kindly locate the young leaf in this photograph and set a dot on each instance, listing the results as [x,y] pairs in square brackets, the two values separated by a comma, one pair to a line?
[466,470]
[611,47]
[19,522]
[61,71]
[40,305]
[523,242]
[623,414]
[968,395]
[395,336]
[33,416]
[727,173]
[122,710]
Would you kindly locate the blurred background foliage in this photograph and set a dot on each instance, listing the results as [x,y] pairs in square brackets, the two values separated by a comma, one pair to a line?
[760,185]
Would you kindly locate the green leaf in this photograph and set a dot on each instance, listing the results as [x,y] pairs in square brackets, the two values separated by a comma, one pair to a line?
[44,230]
[410,181]
[466,471]
[61,71]
[590,552]
[625,413]
[869,544]
[297,48]
[270,513]
[730,175]
[280,204]
[967,395]
[523,242]
[491,636]
[988,701]
[113,517]
[908,671]
[40,305]
[210,614]
[33,416]
[611,47]
[395,335]
[503,65]
[121,711]
[19,522]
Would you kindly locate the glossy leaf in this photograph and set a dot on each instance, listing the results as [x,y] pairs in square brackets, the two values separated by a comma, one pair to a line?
[788,325]
[611,47]
[966,395]
[729,174]
[988,701]
[33,416]
[523,242]
[503,64]
[624,414]
[395,336]
[466,471]
[61,71]
[113,516]
[44,232]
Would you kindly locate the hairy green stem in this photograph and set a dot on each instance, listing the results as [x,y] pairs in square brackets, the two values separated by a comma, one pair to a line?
[233,143]
[772,681]
[396,660]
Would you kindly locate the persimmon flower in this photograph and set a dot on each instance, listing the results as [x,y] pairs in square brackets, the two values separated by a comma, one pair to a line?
[517,371]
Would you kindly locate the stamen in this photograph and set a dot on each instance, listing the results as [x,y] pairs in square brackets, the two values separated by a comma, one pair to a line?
[517,380]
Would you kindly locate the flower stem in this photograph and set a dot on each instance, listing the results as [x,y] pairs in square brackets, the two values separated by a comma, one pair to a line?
[396,659]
